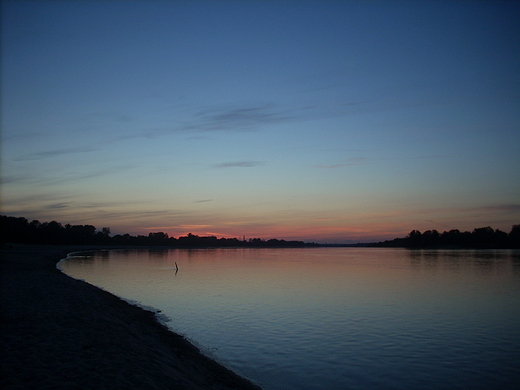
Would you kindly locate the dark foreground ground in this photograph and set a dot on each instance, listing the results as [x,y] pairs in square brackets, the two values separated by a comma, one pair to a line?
[61,333]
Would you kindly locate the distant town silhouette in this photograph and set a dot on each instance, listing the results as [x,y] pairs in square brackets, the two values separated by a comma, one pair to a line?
[19,230]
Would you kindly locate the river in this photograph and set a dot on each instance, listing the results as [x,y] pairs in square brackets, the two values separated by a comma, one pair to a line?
[332,318]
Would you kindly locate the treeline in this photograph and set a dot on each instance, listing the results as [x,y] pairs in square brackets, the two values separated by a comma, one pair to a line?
[484,237]
[19,230]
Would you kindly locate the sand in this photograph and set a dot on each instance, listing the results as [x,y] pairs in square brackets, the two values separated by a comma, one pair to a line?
[62,333]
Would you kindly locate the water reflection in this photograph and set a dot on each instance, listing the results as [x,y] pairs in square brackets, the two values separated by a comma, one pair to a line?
[158,254]
[333,318]
[480,260]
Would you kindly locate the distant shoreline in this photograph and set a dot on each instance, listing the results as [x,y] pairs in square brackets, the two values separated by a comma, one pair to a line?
[20,230]
[60,332]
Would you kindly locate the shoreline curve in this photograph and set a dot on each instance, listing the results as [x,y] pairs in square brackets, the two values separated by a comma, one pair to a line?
[62,333]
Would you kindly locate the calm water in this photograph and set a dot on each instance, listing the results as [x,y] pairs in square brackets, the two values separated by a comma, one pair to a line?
[333,318]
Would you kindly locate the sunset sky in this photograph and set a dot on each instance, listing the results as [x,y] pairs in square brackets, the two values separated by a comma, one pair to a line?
[327,121]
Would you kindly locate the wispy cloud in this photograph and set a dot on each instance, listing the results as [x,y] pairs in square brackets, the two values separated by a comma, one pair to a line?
[364,161]
[234,118]
[433,156]
[22,136]
[241,117]
[70,176]
[506,208]
[55,153]
[347,163]
[238,117]
[73,177]
[333,166]
[199,137]
[203,201]
[13,179]
[96,117]
[497,208]
[58,205]
[238,164]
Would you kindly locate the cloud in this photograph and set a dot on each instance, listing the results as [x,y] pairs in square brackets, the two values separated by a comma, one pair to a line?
[55,153]
[348,162]
[96,117]
[238,164]
[506,208]
[199,137]
[65,177]
[58,206]
[236,118]
[335,166]
[124,118]
[74,177]
[22,136]
[203,201]
[239,118]
[13,179]
[510,208]
[364,161]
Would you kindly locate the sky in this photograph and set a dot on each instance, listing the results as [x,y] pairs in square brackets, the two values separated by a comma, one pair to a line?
[324,121]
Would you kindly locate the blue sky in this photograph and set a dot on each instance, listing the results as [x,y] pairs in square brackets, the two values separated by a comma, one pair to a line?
[330,121]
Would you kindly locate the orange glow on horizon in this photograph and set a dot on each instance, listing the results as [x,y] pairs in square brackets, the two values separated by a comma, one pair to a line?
[300,233]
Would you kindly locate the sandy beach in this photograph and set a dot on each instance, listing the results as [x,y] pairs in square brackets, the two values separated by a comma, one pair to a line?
[61,333]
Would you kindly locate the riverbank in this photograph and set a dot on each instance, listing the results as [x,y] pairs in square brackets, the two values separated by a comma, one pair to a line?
[61,333]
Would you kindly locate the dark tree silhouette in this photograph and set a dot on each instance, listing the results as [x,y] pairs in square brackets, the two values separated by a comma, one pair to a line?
[484,237]
[514,237]
[20,230]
